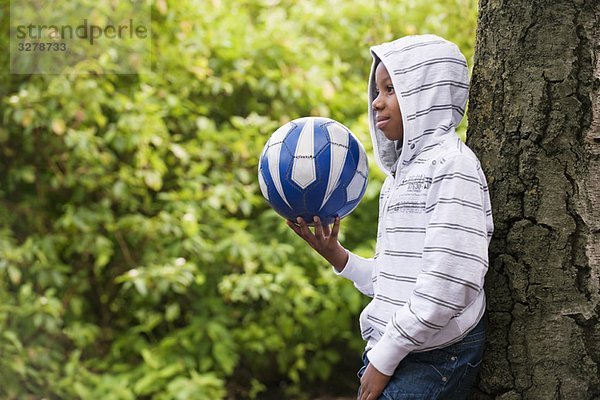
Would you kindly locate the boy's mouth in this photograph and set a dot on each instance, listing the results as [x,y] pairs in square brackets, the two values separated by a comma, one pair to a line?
[382,122]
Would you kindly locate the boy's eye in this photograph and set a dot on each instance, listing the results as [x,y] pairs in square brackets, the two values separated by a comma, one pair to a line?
[388,90]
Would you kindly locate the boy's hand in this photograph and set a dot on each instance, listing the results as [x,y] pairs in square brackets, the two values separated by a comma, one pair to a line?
[324,240]
[372,383]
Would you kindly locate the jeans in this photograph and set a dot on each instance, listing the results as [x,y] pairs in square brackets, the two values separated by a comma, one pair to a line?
[446,373]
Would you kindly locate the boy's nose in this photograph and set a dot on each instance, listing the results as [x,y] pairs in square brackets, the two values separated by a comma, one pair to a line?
[376,104]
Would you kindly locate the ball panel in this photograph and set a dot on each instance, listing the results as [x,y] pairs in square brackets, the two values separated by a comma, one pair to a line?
[281,133]
[339,196]
[314,194]
[348,208]
[357,185]
[263,186]
[273,158]
[322,139]
[350,165]
[338,138]
[261,179]
[294,193]
[304,170]
[274,199]
[331,209]
[355,189]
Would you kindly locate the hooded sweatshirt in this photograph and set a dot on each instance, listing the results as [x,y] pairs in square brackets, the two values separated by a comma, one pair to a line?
[435,221]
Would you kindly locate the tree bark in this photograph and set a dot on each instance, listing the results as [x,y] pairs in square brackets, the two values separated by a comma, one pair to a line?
[534,122]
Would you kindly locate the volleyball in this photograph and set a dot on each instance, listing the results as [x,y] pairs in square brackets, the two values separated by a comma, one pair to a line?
[313,166]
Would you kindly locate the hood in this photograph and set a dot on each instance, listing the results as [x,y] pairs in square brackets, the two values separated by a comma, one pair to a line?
[430,78]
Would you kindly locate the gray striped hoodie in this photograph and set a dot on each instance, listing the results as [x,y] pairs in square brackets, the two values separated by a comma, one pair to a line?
[435,221]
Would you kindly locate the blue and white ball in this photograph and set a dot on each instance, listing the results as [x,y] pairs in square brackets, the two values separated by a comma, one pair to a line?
[313,166]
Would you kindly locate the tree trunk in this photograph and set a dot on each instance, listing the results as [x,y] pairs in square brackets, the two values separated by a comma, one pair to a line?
[534,122]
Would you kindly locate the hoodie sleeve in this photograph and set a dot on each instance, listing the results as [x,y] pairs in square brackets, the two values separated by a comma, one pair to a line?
[454,262]
[359,270]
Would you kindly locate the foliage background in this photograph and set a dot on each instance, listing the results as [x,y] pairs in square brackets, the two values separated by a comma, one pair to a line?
[137,257]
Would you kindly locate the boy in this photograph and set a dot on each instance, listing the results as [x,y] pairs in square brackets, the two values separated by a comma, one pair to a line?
[423,328]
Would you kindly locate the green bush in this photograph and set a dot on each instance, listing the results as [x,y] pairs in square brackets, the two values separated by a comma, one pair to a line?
[137,256]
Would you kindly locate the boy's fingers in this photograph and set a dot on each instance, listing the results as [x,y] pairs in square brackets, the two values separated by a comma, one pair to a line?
[336,229]
[301,222]
[306,233]
[293,226]
[326,230]
[318,228]
[301,230]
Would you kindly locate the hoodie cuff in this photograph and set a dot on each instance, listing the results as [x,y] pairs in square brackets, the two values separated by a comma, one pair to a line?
[357,269]
[386,355]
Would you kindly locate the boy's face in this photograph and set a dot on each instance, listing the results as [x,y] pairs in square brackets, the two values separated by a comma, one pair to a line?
[387,110]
